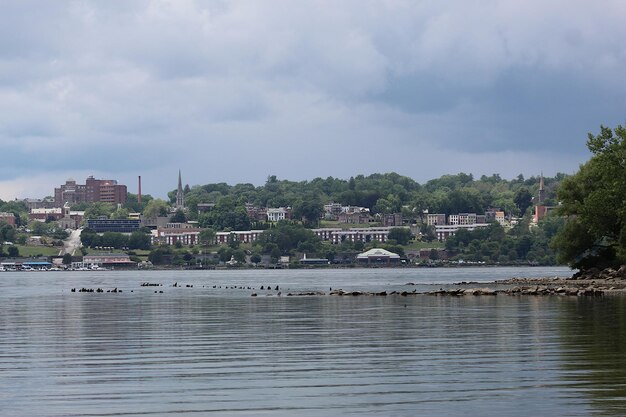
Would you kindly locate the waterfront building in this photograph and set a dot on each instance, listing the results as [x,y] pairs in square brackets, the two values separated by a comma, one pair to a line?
[109,260]
[378,256]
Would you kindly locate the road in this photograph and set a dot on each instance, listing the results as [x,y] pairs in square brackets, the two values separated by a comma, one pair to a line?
[72,243]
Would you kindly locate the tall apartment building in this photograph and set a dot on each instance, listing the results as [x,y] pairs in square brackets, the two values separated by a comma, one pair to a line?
[94,190]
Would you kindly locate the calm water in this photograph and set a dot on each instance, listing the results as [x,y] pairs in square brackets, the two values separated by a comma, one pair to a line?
[204,350]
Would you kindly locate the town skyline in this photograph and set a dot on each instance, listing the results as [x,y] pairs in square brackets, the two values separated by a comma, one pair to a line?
[134,187]
[234,92]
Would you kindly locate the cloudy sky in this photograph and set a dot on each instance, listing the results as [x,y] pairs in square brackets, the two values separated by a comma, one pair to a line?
[233,91]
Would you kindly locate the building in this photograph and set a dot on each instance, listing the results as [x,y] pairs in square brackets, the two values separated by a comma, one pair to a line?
[256,213]
[392,220]
[68,219]
[355,217]
[314,261]
[326,234]
[332,211]
[93,191]
[278,214]
[246,236]
[180,195]
[36,203]
[541,210]
[435,219]
[113,260]
[446,230]
[114,225]
[8,218]
[378,256]
[205,207]
[365,234]
[184,233]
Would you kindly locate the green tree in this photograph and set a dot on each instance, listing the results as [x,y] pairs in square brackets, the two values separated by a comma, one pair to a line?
[523,199]
[67,259]
[593,201]
[120,213]
[401,235]
[7,232]
[13,251]
[255,258]
[139,240]
[95,210]
[178,217]
[207,237]
[156,208]
[309,209]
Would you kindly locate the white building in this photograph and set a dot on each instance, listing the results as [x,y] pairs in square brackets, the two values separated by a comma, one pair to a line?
[277,214]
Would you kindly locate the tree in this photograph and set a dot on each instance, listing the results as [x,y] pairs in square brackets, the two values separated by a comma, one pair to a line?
[207,237]
[523,199]
[401,235]
[7,232]
[429,233]
[255,258]
[309,209]
[13,251]
[67,259]
[139,240]
[593,201]
[120,213]
[95,210]
[178,217]
[156,208]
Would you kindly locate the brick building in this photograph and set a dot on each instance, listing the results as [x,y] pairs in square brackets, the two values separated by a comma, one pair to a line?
[94,190]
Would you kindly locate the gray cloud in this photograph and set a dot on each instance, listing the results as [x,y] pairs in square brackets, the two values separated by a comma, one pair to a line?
[234,91]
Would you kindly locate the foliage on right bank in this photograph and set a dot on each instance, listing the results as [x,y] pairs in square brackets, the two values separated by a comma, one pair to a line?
[594,202]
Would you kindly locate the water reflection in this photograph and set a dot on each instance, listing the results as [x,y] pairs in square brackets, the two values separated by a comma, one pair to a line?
[593,332]
[198,351]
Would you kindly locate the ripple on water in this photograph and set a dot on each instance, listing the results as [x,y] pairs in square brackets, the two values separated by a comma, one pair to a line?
[198,351]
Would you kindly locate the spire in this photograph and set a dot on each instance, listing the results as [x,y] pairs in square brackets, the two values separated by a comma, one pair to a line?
[180,197]
[542,192]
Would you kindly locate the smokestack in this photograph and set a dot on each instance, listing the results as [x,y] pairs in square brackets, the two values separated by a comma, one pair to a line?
[139,192]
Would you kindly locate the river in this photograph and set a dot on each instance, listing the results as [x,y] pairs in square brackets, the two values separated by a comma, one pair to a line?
[207,347]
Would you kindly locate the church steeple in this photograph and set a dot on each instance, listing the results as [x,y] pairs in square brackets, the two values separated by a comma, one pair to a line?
[542,191]
[180,197]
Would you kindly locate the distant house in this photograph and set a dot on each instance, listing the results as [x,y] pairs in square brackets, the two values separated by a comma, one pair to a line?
[108,260]
[356,217]
[391,220]
[8,218]
[378,256]
[278,214]
[433,219]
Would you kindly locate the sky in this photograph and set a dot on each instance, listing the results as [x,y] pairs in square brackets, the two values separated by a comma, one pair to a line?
[235,91]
